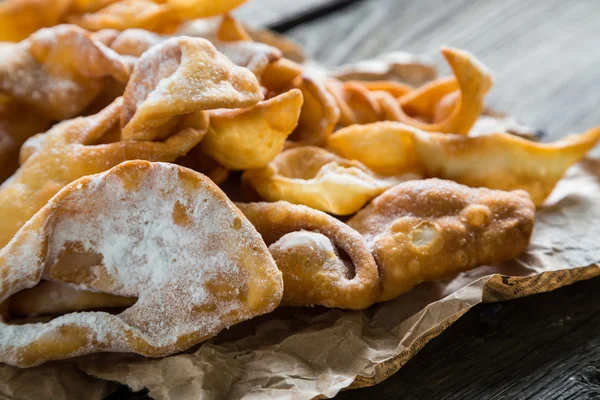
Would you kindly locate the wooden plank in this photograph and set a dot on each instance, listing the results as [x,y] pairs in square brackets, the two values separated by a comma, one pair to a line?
[260,13]
[545,54]
[541,347]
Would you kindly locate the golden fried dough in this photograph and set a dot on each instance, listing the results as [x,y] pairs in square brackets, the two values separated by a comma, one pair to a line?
[474,81]
[158,232]
[497,161]
[387,148]
[319,113]
[429,229]
[503,161]
[356,103]
[17,124]
[323,261]
[319,179]
[59,71]
[195,77]
[67,152]
[57,298]
[20,18]
[252,137]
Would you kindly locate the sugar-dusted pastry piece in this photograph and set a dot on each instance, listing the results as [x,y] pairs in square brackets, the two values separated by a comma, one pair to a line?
[159,232]
[180,76]
[473,80]
[319,179]
[428,229]
[68,152]
[497,160]
[252,137]
[58,71]
[323,261]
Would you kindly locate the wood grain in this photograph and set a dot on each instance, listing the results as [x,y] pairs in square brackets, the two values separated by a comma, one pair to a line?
[545,54]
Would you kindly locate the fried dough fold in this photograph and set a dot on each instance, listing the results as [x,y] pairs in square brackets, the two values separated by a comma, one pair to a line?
[323,261]
[429,229]
[194,262]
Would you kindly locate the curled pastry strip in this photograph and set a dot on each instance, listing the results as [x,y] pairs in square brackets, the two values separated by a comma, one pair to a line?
[182,75]
[310,249]
[58,71]
[154,15]
[498,161]
[252,137]
[319,179]
[192,259]
[429,229]
[356,103]
[68,152]
[473,79]
[319,114]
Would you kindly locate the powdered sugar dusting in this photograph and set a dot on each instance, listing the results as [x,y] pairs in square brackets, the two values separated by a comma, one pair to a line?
[194,262]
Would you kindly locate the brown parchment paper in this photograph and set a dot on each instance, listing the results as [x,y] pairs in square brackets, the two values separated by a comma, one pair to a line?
[309,352]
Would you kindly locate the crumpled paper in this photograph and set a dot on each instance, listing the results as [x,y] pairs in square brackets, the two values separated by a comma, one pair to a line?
[308,352]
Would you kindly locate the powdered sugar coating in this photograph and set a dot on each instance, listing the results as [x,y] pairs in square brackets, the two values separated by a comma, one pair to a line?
[156,231]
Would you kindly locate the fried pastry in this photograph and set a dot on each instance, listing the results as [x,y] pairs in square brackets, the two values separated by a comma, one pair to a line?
[503,161]
[319,179]
[20,18]
[196,77]
[59,71]
[57,298]
[252,137]
[429,229]
[356,103]
[497,161]
[473,80]
[67,152]
[322,260]
[192,259]
[319,114]
[17,124]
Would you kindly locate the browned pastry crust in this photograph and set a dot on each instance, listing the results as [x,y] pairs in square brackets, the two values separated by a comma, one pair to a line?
[426,230]
[323,261]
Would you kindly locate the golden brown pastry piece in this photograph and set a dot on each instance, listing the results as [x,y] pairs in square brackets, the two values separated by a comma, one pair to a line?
[252,137]
[319,179]
[461,110]
[158,232]
[429,229]
[68,152]
[20,18]
[59,71]
[17,124]
[196,77]
[57,298]
[498,161]
[323,261]
[319,114]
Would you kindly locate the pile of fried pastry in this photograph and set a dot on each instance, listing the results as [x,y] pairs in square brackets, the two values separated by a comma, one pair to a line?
[168,173]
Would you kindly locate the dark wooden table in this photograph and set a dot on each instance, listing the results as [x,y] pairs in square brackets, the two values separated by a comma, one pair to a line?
[546,59]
